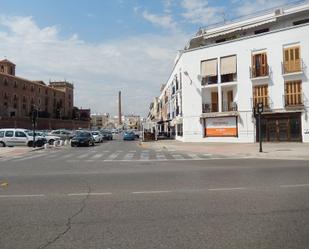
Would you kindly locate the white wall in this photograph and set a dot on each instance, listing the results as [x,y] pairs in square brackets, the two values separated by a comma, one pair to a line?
[273,42]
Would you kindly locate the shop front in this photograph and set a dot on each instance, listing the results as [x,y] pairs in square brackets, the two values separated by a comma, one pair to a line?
[280,127]
[220,127]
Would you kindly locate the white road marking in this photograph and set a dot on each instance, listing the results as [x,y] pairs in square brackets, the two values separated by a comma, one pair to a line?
[178,157]
[27,158]
[97,156]
[66,156]
[294,185]
[132,151]
[128,156]
[160,156]
[21,196]
[83,155]
[112,156]
[224,189]
[207,154]
[86,194]
[153,192]
[144,156]
[194,156]
[105,151]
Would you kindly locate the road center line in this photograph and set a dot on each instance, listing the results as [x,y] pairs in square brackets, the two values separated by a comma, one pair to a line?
[224,189]
[21,196]
[294,185]
[85,194]
[152,192]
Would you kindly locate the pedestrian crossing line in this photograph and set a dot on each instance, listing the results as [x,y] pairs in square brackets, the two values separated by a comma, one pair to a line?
[66,156]
[85,155]
[144,156]
[27,158]
[178,157]
[97,156]
[194,156]
[161,157]
[112,156]
[128,156]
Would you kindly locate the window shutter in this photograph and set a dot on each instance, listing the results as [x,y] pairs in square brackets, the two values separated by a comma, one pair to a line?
[209,68]
[228,65]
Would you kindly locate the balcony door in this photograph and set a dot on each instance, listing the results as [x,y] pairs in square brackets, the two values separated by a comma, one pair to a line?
[292,60]
[293,93]
[230,100]
[259,65]
[214,101]
[260,95]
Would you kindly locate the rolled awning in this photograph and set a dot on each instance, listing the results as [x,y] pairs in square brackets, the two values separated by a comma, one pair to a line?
[228,65]
[209,68]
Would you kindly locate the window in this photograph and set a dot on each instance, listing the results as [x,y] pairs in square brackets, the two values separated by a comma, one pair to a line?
[260,31]
[32,88]
[259,65]
[301,22]
[1,133]
[292,62]
[5,81]
[209,72]
[15,84]
[2,69]
[228,69]
[293,93]
[9,133]
[260,95]
[20,134]
[24,87]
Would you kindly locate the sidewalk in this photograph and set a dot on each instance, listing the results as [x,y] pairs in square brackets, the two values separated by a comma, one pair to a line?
[293,151]
[15,151]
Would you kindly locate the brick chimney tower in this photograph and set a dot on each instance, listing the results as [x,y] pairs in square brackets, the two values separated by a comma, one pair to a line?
[119,108]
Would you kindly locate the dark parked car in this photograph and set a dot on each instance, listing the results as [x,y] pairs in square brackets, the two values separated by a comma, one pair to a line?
[83,139]
[107,135]
[128,135]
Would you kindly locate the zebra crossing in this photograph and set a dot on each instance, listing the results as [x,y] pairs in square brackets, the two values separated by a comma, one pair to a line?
[108,156]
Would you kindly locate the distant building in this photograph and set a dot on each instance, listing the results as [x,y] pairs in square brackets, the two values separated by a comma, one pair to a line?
[100,120]
[132,122]
[18,96]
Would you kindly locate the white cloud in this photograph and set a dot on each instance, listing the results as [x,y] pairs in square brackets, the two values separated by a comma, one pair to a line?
[247,7]
[165,21]
[136,65]
[199,11]
[167,5]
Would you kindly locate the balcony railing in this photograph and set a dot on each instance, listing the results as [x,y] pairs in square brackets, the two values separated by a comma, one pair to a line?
[208,80]
[293,100]
[258,72]
[214,107]
[292,67]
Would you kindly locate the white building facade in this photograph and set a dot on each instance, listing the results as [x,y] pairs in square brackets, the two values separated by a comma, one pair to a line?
[225,71]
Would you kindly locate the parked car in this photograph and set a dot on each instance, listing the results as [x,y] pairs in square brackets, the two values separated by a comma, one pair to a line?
[63,134]
[98,138]
[128,135]
[49,138]
[16,137]
[107,135]
[137,133]
[83,138]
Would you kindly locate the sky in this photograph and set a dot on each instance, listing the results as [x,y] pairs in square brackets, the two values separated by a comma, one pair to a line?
[103,46]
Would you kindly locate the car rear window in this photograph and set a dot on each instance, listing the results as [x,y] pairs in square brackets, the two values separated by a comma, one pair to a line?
[1,133]
[95,133]
[20,134]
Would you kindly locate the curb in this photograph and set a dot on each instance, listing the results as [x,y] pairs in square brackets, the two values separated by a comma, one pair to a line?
[38,148]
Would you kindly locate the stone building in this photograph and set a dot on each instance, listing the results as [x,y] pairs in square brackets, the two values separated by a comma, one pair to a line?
[19,95]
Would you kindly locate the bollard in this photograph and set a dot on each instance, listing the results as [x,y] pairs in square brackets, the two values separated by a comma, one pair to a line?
[55,143]
[45,146]
[61,143]
[66,142]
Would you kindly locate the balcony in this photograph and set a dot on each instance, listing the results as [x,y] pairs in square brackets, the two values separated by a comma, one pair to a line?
[213,107]
[259,72]
[293,101]
[294,67]
[209,80]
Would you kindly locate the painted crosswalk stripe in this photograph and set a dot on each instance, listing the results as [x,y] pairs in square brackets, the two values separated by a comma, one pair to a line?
[144,156]
[128,156]
[194,156]
[97,156]
[178,157]
[112,156]
[27,158]
[160,156]
[66,156]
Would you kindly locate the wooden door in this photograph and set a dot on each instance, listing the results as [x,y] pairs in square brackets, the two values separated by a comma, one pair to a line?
[259,65]
[293,93]
[260,95]
[230,100]
[214,101]
[292,60]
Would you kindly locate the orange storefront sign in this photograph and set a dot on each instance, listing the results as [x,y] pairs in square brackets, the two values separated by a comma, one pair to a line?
[221,127]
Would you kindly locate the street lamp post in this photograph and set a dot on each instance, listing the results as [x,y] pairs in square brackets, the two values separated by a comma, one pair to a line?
[260,109]
[34,115]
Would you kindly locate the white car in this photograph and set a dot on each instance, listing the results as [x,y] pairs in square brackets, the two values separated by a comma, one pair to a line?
[16,137]
[98,138]
[49,138]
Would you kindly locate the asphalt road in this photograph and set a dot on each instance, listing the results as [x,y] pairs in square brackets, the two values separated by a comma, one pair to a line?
[119,195]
